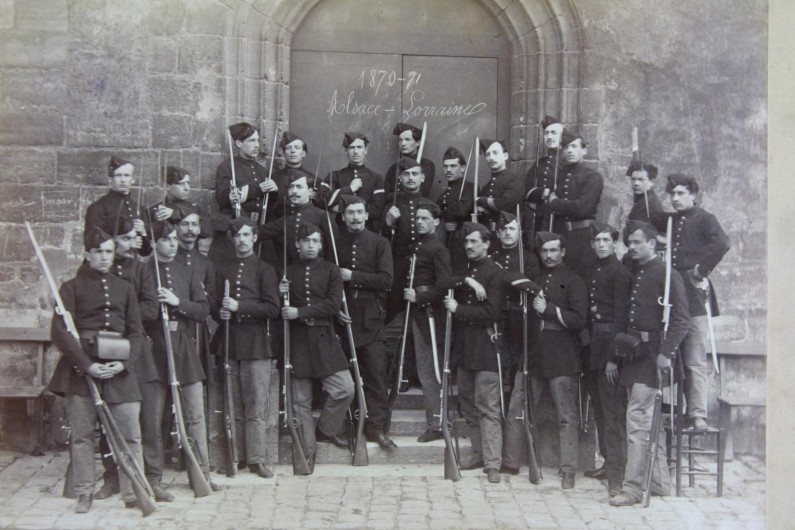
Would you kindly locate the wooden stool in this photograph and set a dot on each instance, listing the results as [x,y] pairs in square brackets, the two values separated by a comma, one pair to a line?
[727,404]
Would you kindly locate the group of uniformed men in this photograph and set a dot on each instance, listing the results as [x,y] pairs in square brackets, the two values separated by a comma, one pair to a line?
[593,320]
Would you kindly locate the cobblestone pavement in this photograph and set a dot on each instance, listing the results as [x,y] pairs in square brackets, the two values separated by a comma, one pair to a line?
[409,496]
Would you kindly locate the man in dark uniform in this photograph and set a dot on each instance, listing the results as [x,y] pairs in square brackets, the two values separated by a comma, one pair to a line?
[315,290]
[456,203]
[294,151]
[251,186]
[365,261]
[698,245]
[299,210]
[178,196]
[182,293]
[649,359]
[409,139]
[475,306]
[433,264]
[355,179]
[562,306]
[252,300]
[608,283]
[117,203]
[516,280]
[127,266]
[400,224]
[97,301]
[504,190]
[541,177]
[574,202]
[646,205]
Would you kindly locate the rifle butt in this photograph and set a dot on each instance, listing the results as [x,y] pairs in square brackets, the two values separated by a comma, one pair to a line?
[452,471]
[69,483]
[198,482]
[652,448]
[533,472]
[230,429]
[360,457]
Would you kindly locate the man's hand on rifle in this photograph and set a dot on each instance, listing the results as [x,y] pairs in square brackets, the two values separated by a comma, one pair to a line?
[356,184]
[392,215]
[139,227]
[225,314]
[100,371]
[344,318]
[162,213]
[410,295]
[346,274]
[268,186]
[229,303]
[450,304]
[663,362]
[289,313]
[167,296]
[611,373]
[480,291]
[114,367]
[540,303]
[284,286]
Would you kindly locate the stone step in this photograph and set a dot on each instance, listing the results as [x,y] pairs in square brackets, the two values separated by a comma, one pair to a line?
[413,399]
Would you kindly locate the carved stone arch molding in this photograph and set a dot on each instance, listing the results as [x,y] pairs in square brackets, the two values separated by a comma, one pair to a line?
[546,62]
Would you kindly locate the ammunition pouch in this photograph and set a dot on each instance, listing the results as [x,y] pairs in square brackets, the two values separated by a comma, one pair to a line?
[111,346]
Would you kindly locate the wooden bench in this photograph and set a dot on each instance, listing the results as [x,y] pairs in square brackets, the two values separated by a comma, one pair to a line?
[18,383]
[732,398]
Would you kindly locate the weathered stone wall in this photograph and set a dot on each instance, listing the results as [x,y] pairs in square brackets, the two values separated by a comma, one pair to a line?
[156,80]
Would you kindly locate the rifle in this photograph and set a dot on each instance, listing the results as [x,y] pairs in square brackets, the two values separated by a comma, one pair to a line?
[527,405]
[236,203]
[360,446]
[636,158]
[264,210]
[300,463]
[121,453]
[230,429]
[452,469]
[395,390]
[422,141]
[466,170]
[496,338]
[200,485]
[654,442]
[554,186]
[666,303]
[475,188]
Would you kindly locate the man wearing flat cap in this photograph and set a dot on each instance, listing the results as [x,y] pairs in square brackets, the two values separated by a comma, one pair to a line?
[645,354]
[98,301]
[504,190]
[456,202]
[355,179]
[365,261]
[698,244]
[574,201]
[178,197]
[251,186]
[475,308]
[608,283]
[409,139]
[117,203]
[541,177]
[294,150]
[562,306]
[251,302]
[315,297]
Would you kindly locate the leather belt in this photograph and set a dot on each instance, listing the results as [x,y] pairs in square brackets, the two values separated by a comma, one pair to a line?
[422,288]
[570,226]
[317,322]
[553,325]
[601,327]
[362,294]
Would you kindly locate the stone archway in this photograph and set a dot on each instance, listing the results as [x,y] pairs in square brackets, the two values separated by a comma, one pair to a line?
[546,61]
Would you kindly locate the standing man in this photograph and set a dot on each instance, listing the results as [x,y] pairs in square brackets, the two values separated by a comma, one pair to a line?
[117,203]
[355,179]
[294,151]
[177,197]
[456,204]
[409,139]
[182,292]
[698,245]
[647,351]
[608,283]
[97,301]
[540,178]
[252,300]
[475,306]
[504,190]
[432,265]
[252,183]
[641,181]
[366,270]
[574,201]
[315,289]
[562,306]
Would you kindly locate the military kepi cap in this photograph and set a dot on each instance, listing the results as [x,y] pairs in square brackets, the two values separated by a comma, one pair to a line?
[649,230]
[485,143]
[161,229]
[306,230]
[542,238]
[241,131]
[680,179]
[348,200]
[175,174]
[451,153]
[119,226]
[239,222]
[651,170]
[115,163]
[349,137]
[407,163]
[94,237]
[294,174]
[288,138]
[400,128]
[549,120]
[568,137]
[470,228]
[504,219]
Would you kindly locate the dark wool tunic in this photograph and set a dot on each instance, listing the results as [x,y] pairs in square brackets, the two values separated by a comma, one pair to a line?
[433,263]
[428,169]
[316,290]
[608,283]
[501,193]
[296,216]
[247,172]
[97,302]
[105,211]
[457,211]
[253,284]
[474,320]
[638,211]
[541,175]
[204,219]
[339,183]
[282,180]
